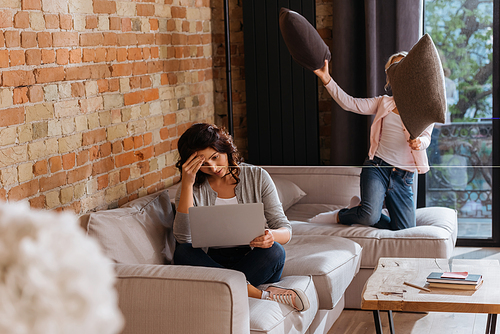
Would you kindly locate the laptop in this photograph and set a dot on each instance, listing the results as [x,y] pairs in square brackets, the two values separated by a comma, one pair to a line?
[226,225]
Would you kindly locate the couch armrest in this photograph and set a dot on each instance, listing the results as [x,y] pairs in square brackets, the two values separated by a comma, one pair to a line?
[182,299]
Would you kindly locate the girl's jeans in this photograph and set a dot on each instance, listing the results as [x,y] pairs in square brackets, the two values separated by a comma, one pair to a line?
[381,181]
[260,265]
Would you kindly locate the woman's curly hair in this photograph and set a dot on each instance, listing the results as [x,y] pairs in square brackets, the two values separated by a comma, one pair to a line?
[201,136]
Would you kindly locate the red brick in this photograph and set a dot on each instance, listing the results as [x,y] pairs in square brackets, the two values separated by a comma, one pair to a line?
[48,56]
[49,74]
[151,178]
[28,39]
[179,39]
[17,57]
[162,148]
[105,149]
[139,68]
[44,39]
[33,57]
[4,58]
[138,141]
[64,39]
[153,24]
[100,55]
[90,22]
[55,164]
[88,55]
[37,202]
[114,85]
[115,23]
[128,143]
[40,168]
[126,39]
[11,116]
[93,153]
[148,138]
[134,54]
[146,82]
[145,153]
[52,21]
[18,78]
[121,54]
[110,38]
[102,85]
[125,159]
[66,21]
[151,95]
[102,182]
[77,89]
[178,12]
[134,185]
[133,98]
[20,95]
[54,181]
[134,82]
[124,174]
[169,119]
[12,38]
[22,20]
[35,94]
[104,7]
[31,5]
[103,166]
[126,24]
[164,133]
[91,39]
[2,39]
[121,70]
[146,53]
[6,18]
[68,160]
[145,9]
[93,137]
[168,172]
[79,174]
[185,26]
[82,158]
[75,56]
[99,71]
[23,191]
[62,56]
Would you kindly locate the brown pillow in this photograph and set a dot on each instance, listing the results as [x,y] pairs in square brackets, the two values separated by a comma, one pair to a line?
[302,40]
[417,83]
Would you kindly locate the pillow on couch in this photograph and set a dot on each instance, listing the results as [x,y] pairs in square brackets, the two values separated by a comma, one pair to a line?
[417,83]
[302,40]
[288,192]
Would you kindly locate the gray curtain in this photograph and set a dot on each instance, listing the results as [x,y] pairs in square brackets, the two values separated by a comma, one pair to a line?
[364,35]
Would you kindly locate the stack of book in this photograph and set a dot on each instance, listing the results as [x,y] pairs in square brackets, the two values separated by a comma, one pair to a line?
[455,280]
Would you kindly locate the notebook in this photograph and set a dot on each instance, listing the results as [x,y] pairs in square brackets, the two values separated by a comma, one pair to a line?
[226,225]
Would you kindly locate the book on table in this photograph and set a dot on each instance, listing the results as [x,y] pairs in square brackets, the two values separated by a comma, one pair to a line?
[460,280]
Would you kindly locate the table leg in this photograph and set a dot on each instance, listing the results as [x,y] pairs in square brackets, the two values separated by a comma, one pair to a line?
[378,323]
[491,324]
[391,322]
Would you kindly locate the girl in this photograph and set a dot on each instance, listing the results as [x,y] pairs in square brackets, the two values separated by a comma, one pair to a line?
[212,174]
[387,173]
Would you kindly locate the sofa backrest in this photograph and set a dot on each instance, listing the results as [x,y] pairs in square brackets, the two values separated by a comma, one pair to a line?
[322,184]
[139,232]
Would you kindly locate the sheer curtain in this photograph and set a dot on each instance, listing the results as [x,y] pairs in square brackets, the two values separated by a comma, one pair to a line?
[365,34]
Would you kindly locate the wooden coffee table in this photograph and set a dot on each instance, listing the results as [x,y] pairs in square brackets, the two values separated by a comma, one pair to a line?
[385,289]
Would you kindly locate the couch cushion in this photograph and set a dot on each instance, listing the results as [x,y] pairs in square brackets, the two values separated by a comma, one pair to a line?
[136,232]
[332,262]
[288,192]
[270,317]
[434,235]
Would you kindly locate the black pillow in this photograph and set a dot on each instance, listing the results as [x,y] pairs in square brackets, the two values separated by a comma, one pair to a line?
[303,41]
[417,83]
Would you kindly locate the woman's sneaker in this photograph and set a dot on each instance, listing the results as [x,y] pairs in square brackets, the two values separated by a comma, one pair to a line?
[295,298]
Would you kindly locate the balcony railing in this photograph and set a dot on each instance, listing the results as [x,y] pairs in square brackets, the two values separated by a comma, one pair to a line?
[460,156]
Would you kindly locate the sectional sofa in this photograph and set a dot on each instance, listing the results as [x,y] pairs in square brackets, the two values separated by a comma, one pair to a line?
[329,262]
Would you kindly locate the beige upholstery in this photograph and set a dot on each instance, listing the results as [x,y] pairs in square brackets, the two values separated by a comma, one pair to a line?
[329,188]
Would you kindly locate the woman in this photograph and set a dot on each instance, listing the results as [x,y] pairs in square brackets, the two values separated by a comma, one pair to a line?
[387,173]
[212,174]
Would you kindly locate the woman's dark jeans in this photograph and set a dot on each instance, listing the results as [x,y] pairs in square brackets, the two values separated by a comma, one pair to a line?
[260,265]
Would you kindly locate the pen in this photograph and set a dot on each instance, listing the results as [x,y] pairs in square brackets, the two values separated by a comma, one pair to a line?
[417,287]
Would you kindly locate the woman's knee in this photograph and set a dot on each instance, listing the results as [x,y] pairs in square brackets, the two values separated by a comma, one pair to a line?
[276,253]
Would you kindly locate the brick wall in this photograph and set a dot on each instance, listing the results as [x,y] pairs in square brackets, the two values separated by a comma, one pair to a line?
[94,95]
[324,26]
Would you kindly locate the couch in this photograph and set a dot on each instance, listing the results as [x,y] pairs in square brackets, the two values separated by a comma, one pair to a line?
[330,262]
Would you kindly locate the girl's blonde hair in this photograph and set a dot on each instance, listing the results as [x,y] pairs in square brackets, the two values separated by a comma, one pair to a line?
[389,62]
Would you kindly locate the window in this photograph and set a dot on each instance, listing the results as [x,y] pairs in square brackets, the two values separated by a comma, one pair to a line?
[461,153]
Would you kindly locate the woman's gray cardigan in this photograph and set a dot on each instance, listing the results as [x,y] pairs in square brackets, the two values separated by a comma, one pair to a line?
[255,186]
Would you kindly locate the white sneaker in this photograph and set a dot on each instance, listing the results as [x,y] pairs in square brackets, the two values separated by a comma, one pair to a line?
[355,201]
[295,298]
[330,217]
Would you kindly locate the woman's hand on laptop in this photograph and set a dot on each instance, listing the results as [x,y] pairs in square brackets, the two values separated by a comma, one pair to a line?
[264,241]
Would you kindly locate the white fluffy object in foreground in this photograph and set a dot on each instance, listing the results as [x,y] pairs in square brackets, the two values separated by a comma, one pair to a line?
[53,278]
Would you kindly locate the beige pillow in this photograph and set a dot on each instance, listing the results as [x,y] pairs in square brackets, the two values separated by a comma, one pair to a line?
[417,83]
[140,232]
[288,192]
